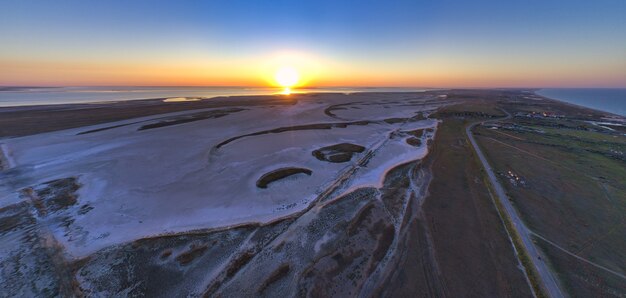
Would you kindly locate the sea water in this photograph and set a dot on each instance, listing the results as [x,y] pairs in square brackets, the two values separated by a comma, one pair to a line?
[608,100]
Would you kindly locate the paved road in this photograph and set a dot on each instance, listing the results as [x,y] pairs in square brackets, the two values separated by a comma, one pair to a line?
[547,277]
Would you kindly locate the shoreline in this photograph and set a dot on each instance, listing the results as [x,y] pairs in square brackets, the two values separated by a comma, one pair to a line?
[28,120]
[102,95]
[33,119]
[573,105]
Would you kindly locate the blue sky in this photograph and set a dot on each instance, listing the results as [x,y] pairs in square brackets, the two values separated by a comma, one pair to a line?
[468,43]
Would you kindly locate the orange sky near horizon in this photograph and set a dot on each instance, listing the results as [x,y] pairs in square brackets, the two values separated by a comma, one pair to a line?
[488,43]
[315,72]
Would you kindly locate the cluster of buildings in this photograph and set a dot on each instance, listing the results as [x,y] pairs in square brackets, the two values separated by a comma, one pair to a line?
[539,115]
[512,127]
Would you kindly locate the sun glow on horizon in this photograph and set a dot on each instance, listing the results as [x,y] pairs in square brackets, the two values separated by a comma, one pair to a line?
[287,77]
[290,69]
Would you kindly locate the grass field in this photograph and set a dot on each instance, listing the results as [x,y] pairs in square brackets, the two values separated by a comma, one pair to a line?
[473,251]
[574,194]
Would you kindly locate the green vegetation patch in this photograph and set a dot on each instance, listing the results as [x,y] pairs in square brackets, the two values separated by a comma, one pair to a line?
[575,193]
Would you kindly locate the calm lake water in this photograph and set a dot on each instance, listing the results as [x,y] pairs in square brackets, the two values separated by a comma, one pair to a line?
[63,95]
[608,100]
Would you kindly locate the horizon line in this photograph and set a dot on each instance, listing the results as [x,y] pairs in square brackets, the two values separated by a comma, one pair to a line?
[314,87]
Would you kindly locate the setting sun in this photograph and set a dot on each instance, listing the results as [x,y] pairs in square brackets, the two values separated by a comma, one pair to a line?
[313,148]
[287,77]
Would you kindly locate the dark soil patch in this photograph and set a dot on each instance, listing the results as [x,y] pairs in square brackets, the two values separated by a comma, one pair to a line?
[280,174]
[54,195]
[329,110]
[10,222]
[279,273]
[191,118]
[166,254]
[295,128]
[193,252]
[395,120]
[384,242]
[338,153]
[414,141]
[104,128]
[239,263]
[364,214]
[84,209]
[418,133]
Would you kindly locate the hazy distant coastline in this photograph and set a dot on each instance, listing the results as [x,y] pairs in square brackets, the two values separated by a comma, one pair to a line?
[23,88]
[32,96]
[607,100]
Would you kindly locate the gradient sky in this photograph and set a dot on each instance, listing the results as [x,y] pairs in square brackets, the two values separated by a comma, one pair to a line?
[483,43]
